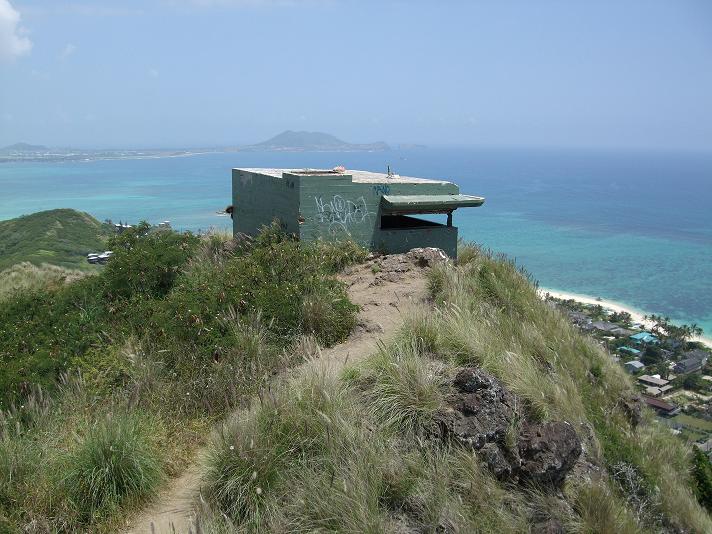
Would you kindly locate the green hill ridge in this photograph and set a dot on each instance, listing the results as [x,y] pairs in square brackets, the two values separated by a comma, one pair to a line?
[59,237]
[111,382]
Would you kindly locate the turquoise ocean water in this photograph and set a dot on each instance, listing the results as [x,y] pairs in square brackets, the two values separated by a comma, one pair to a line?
[632,227]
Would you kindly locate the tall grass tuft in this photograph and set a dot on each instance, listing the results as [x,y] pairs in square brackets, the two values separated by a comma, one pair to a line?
[18,458]
[252,453]
[114,461]
[403,389]
[327,315]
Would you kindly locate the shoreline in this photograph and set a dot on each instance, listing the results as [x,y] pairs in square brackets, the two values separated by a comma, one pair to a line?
[636,314]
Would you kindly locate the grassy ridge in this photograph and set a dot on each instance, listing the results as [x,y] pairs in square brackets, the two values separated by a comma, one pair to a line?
[354,453]
[136,362]
[60,237]
[24,277]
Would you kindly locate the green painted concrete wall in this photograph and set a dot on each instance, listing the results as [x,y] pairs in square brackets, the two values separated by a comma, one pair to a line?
[260,199]
[404,239]
[334,207]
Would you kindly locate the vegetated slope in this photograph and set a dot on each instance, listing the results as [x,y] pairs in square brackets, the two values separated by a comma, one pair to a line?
[60,237]
[490,413]
[138,361]
[384,289]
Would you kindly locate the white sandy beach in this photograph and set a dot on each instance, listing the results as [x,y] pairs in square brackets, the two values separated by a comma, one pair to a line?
[637,315]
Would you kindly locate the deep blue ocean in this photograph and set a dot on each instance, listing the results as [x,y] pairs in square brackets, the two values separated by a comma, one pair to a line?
[634,227]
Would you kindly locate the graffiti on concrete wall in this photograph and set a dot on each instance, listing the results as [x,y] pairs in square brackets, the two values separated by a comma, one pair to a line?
[381,189]
[340,213]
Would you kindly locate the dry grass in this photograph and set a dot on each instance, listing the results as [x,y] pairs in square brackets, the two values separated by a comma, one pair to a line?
[352,455]
[26,276]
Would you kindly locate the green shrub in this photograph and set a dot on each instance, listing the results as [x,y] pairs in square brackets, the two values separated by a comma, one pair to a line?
[177,290]
[283,281]
[702,477]
[42,331]
[147,262]
[335,256]
[114,461]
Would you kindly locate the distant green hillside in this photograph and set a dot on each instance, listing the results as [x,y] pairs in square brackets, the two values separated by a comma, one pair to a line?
[317,141]
[22,147]
[59,237]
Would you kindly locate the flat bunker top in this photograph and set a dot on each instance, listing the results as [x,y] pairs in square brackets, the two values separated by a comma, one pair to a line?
[364,177]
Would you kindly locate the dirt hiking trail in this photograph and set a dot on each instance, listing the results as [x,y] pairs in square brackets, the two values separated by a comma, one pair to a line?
[384,288]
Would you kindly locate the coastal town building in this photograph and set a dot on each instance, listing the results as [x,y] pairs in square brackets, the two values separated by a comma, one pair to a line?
[690,364]
[607,328]
[633,366]
[578,318]
[660,406]
[658,392]
[380,211]
[697,354]
[644,337]
[655,381]
[629,350]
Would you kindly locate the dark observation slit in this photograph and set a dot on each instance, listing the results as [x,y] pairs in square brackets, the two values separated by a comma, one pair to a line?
[395,222]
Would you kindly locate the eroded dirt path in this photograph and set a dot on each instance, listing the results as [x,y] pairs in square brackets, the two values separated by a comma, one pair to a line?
[384,288]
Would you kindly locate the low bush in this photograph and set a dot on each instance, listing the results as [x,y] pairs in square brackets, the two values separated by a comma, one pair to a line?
[177,290]
[285,282]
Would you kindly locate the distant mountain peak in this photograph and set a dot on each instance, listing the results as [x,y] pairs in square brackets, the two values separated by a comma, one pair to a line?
[291,140]
[25,147]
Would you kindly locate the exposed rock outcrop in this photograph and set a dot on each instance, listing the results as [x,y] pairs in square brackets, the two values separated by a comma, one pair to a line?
[427,257]
[391,268]
[547,452]
[484,415]
[633,408]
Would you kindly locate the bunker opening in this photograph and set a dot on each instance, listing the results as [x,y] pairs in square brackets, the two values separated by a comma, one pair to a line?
[399,221]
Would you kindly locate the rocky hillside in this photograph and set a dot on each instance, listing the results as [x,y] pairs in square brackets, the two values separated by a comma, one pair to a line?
[488,412]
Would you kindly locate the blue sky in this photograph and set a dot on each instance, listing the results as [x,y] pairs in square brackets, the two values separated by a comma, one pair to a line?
[171,73]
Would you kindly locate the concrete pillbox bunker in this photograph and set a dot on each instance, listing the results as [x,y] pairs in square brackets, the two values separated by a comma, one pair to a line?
[376,210]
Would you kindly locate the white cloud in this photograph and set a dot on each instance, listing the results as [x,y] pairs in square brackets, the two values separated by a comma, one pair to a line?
[13,41]
[67,51]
